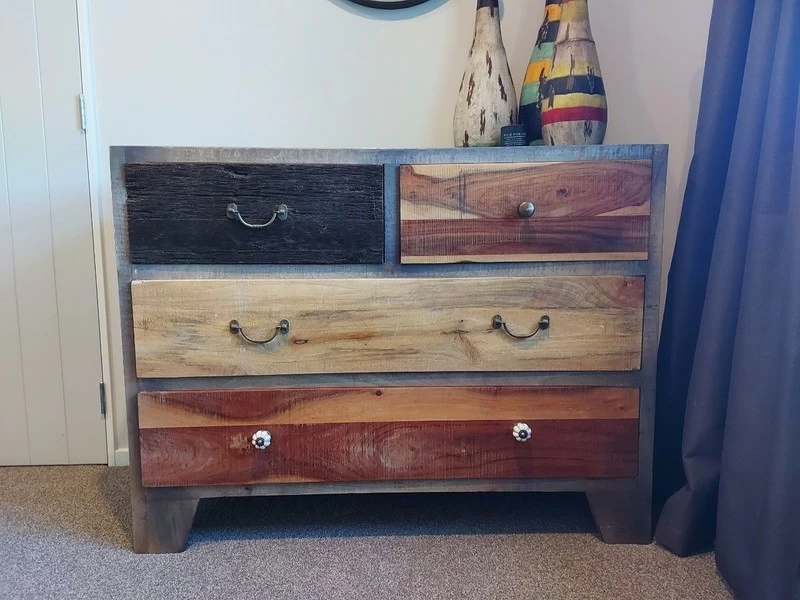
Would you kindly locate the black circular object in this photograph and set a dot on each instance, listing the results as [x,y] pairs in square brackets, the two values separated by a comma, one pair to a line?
[388,3]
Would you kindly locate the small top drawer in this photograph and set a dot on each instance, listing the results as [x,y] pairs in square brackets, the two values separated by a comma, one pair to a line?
[516,212]
[214,213]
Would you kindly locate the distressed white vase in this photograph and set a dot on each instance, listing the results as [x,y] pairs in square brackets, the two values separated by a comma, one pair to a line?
[487,100]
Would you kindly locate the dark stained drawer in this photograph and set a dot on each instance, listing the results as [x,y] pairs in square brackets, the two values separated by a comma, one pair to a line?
[219,437]
[179,213]
[516,212]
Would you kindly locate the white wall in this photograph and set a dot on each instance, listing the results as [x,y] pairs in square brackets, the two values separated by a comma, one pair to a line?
[323,73]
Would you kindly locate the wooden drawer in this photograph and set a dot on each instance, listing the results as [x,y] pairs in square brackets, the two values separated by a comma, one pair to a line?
[178,213]
[590,210]
[183,328]
[378,434]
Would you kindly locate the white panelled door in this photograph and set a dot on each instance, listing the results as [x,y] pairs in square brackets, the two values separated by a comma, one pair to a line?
[50,361]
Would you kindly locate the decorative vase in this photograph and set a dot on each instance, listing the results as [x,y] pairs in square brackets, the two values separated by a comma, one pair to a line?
[487,100]
[573,97]
[538,72]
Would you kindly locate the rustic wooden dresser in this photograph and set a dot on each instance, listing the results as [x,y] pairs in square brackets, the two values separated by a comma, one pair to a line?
[350,321]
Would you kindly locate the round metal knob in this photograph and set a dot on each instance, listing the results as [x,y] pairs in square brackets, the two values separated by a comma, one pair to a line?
[522,433]
[526,210]
[262,439]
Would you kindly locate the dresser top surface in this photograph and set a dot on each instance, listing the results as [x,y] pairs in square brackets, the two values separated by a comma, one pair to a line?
[126,154]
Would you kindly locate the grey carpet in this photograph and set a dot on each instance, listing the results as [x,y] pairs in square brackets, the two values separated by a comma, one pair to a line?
[65,533]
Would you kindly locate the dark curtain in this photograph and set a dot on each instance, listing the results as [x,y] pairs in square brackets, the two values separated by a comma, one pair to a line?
[727,456]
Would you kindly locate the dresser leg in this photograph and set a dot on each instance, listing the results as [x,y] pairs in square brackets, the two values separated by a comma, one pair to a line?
[622,517]
[162,526]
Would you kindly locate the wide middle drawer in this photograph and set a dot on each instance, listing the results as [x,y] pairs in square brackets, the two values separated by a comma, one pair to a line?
[198,328]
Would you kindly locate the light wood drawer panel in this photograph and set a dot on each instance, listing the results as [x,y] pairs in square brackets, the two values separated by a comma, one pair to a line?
[590,210]
[375,434]
[182,327]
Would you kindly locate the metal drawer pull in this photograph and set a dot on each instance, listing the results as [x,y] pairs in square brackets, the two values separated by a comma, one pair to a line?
[237,329]
[499,323]
[281,212]
[526,210]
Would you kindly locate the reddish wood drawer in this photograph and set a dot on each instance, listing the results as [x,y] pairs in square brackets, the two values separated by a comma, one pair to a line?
[384,434]
[590,210]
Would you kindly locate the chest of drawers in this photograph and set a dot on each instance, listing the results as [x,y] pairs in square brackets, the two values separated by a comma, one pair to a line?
[352,321]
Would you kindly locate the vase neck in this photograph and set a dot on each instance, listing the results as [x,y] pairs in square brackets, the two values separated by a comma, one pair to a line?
[487,21]
[577,12]
[574,25]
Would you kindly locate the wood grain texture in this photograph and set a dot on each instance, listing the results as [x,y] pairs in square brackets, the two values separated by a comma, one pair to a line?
[164,526]
[209,408]
[652,323]
[622,516]
[177,213]
[388,451]
[517,258]
[120,156]
[494,190]
[386,325]
[407,486]
[595,210]
[515,239]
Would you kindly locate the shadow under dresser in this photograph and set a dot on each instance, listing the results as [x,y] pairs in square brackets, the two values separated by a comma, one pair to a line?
[362,321]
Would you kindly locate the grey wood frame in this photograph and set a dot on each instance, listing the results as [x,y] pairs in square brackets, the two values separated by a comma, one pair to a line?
[622,507]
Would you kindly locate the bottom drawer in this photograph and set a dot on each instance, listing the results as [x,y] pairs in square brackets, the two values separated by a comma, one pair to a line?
[380,434]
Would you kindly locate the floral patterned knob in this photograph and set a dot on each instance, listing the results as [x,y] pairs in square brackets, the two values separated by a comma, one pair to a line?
[262,439]
[522,433]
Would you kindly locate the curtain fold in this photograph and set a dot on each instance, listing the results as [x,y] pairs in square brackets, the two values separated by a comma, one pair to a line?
[727,456]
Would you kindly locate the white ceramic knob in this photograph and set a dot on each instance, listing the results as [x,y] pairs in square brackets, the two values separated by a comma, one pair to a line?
[262,439]
[522,433]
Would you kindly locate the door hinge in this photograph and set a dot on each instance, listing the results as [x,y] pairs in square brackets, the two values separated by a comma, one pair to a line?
[82,109]
[103,399]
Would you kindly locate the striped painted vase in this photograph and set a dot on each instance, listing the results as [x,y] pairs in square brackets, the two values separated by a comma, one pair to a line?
[487,100]
[573,97]
[530,105]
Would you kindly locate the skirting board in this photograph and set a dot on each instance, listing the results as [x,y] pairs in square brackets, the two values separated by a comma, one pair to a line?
[121,458]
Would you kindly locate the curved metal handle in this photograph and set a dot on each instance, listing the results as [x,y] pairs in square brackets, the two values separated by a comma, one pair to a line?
[541,325]
[281,212]
[237,329]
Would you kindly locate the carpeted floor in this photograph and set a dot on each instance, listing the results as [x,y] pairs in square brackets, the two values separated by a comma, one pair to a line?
[65,533]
